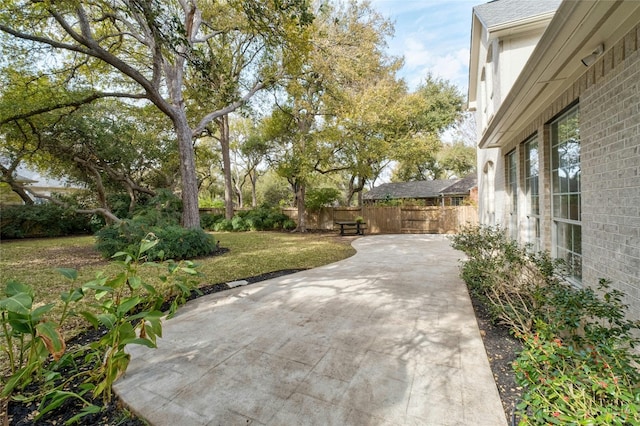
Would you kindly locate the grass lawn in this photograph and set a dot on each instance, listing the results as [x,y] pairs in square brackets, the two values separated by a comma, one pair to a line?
[33,261]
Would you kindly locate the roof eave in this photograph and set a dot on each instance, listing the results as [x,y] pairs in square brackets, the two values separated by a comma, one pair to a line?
[572,34]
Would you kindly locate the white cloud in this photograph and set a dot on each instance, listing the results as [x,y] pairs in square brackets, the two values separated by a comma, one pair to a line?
[432,36]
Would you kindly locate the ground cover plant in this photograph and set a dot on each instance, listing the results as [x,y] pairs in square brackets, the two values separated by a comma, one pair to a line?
[110,296]
[578,365]
[259,219]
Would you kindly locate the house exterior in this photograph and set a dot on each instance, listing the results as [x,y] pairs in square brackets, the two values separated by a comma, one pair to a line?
[555,86]
[441,192]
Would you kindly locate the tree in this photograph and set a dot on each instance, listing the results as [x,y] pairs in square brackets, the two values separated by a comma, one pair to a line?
[146,50]
[105,147]
[249,151]
[323,115]
[457,159]
[433,107]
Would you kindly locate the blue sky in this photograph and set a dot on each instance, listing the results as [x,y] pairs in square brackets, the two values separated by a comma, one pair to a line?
[433,36]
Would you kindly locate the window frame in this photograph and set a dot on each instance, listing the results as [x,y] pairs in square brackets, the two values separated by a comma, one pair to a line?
[531,185]
[566,221]
[511,184]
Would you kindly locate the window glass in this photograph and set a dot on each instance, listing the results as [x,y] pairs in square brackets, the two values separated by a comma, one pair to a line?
[512,189]
[566,200]
[531,189]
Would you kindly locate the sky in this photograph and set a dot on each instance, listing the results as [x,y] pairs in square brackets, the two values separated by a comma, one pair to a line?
[433,36]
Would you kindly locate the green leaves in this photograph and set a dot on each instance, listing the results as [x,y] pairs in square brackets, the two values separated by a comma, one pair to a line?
[577,366]
[18,304]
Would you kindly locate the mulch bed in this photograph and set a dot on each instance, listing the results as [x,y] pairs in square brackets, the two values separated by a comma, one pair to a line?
[501,348]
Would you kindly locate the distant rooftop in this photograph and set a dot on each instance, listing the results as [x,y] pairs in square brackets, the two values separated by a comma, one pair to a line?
[500,12]
[422,189]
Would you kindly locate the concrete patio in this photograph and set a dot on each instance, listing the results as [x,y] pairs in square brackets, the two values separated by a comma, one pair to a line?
[386,337]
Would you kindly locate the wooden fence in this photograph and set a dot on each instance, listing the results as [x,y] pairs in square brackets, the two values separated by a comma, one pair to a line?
[394,220]
[389,220]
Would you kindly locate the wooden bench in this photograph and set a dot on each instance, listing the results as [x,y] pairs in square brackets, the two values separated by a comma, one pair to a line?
[357,228]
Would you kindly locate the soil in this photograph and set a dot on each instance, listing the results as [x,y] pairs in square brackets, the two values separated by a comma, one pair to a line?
[501,348]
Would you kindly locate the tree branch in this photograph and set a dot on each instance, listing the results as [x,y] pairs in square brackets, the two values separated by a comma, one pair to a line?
[103,212]
[70,104]
[228,109]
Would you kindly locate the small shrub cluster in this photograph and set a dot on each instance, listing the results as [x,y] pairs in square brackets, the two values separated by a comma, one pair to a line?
[161,218]
[175,242]
[259,219]
[578,365]
[128,309]
[42,220]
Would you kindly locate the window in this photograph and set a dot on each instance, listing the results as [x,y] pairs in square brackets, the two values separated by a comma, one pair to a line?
[531,189]
[566,194]
[512,193]
[457,201]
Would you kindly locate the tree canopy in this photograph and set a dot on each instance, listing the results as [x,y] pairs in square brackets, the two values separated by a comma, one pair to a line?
[131,96]
[148,50]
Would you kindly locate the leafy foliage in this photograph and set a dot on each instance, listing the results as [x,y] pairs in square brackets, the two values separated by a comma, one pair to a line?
[175,242]
[42,220]
[321,197]
[260,219]
[578,365]
[129,310]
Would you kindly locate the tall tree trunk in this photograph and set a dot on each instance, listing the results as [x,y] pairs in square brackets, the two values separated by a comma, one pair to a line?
[190,212]
[238,191]
[253,177]
[223,126]
[300,194]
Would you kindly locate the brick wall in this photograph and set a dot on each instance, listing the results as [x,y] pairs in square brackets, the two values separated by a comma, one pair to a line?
[610,155]
[609,96]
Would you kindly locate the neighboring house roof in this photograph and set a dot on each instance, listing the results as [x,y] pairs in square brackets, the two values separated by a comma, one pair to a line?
[22,179]
[422,189]
[500,12]
[462,186]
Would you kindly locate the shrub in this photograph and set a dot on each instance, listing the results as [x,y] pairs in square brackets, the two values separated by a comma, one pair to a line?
[579,367]
[238,223]
[223,225]
[289,224]
[175,242]
[259,219]
[510,280]
[42,220]
[208,221]
[578,364]
[164,209]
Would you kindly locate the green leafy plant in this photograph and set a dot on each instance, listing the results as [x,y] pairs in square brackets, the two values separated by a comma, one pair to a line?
[510,280]
[175,242]
[578,365]
[28,336]
[127,307]
[41,220]
[259,219]
[129,310]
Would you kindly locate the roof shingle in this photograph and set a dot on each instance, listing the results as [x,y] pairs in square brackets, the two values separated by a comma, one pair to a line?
[500,12]
[421,189]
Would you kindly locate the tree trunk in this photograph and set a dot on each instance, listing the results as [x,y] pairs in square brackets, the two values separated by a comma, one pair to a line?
[302,225]
[223,126]
[190,212]
[253,177]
